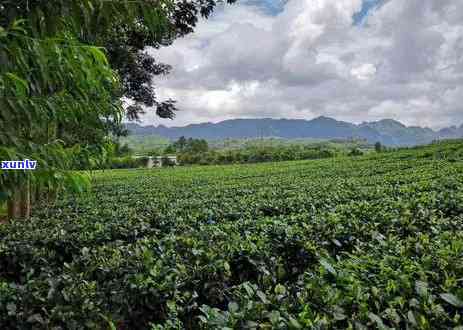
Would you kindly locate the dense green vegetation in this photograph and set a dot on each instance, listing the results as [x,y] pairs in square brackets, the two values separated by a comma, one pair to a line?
[199,151]
[365,242]
[59,95]
[257,154]
[70,72]
[132,151]
[156,145]
[335,144]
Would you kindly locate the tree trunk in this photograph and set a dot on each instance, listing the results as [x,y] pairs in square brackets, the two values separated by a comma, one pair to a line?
[35,193]
[26,199]
[19,204]
[14,205]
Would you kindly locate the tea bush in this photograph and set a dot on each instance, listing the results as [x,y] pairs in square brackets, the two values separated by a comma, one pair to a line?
[345,243]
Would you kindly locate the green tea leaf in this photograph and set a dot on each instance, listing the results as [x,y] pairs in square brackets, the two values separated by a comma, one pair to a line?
[452,299]
[328,266]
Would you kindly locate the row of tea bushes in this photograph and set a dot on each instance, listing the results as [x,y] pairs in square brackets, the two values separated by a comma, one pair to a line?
[360,243]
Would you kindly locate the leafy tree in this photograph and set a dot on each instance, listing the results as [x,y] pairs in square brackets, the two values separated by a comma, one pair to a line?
[126,44]
[124,29]
[378,147]
[54,91]
[180,144]
[190,145]
[196,145]
[170,149]
[59,94]
[356,152]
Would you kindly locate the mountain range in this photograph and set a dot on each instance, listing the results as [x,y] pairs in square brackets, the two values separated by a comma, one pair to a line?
[387,131]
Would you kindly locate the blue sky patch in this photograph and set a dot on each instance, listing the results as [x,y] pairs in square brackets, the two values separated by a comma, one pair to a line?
[275,7]
[269,7]
[367,7]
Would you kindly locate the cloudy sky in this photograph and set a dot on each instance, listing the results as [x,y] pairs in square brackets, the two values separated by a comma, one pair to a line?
[353,60]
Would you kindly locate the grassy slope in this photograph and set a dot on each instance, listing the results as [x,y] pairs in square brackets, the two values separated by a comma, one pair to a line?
[373,241]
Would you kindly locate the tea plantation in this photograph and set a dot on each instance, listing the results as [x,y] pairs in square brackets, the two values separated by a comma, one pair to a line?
[369,242]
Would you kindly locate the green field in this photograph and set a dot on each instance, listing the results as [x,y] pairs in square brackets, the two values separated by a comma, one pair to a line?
[354,242]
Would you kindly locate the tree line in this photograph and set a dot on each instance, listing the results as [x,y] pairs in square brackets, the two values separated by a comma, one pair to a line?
[197,151]
[191,151]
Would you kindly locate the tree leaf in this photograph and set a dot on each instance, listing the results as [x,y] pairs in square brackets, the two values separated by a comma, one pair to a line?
[328,266]
[452,299]
[421,288]
[233,307]
[280,289]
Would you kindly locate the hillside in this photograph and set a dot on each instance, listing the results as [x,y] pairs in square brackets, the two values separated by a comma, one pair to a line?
[387,131]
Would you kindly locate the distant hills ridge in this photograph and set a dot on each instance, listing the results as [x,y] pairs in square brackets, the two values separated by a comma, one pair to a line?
[387,131]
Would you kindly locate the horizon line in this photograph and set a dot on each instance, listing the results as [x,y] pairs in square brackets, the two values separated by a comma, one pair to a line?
[290,119]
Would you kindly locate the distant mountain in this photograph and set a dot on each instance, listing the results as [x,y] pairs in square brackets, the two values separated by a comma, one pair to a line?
[387,131]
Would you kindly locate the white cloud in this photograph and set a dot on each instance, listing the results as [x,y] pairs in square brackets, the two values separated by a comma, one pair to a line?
[403,62]
[364,71]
